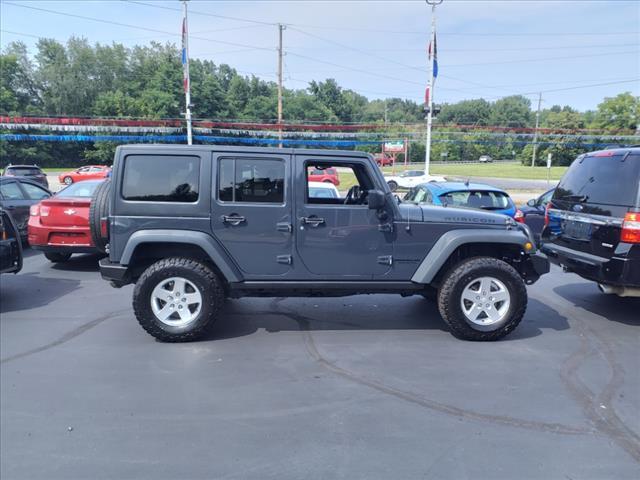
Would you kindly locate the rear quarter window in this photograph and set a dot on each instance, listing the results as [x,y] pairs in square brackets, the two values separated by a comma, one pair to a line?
[602,180]
[161,178]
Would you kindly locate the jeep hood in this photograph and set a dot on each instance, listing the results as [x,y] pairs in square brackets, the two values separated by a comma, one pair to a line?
[454,215]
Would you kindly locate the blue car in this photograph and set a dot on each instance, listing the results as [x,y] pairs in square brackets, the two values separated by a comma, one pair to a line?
[470,195]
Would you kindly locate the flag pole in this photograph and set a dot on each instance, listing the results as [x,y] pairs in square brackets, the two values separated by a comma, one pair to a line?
[432,59]
[186,79]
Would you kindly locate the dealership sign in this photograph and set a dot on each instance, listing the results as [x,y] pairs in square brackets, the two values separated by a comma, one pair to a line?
[397,146]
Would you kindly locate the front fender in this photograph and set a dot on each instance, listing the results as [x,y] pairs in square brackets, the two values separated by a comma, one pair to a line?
[450,241]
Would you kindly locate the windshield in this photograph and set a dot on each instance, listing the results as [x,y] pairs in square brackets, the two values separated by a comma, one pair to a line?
[603,180]
[80,189]
[486,200]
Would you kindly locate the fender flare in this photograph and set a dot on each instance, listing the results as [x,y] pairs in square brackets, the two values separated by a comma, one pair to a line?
[450,241]
[199,239]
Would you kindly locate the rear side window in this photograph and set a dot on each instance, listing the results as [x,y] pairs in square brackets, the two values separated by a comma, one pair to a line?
[161,178]
[34,192]
[11,191]
[251,180]
[602,180]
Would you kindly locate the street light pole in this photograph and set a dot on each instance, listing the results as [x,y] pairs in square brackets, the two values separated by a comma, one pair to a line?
[186,79]
[427,150]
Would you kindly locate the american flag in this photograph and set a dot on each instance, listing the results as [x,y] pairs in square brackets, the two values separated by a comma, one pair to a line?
[185,60]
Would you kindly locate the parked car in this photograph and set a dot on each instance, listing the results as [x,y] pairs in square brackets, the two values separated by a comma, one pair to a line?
[59,226]
[485,159]
[323,190]
[89,172]
[191,226]
[31,172]
[10,244]
[411,178]
[469,195]
[17,194]
[533,212]
[383,160]
[328,175]
[592,225]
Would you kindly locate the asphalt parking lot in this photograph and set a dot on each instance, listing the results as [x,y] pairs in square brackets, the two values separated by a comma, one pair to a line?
[357,387]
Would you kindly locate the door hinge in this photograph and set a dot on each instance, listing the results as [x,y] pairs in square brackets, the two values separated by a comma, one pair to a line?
[286,259]
[385,227]
[385,260]
[284,227]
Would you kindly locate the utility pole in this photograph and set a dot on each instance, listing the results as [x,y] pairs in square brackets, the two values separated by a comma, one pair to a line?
[185,73]
[427,150]
[281,27]
[535,134]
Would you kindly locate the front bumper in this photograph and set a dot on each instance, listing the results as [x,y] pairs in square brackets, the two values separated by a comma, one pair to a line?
[621,271]
[536,265]
[115,273]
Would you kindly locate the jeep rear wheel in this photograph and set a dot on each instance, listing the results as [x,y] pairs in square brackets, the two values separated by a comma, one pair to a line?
[482,298]
[177,299]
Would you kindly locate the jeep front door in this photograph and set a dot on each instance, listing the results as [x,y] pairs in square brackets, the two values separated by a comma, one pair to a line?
[251,214]
[338,236]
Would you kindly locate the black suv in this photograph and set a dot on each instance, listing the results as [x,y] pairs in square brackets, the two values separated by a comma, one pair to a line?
[593,220]
[32,172]
[193,225]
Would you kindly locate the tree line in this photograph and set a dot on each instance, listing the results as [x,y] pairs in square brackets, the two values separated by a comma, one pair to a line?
[81,79]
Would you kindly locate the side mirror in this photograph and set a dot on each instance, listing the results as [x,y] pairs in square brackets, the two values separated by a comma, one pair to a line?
[532,202]
[375,198]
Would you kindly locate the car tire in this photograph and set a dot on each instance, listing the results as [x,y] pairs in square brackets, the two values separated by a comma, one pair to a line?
[67,181]
[56,257]
[198,278]
[393,186]
[484,280]
[98,210]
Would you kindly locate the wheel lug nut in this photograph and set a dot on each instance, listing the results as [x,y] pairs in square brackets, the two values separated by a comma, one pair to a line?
[180,307]
[184,299]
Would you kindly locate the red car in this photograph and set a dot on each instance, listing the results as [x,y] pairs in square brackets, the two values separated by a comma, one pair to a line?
[329,175]
[383,161]
[59,226]
[90,172]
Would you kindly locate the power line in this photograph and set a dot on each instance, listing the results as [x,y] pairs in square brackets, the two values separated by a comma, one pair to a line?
[137,27]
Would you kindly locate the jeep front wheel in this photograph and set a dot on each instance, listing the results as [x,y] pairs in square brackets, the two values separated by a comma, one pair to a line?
[177,299]
[482,298]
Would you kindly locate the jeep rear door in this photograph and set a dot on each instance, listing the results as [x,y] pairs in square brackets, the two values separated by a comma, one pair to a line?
[251,214]
[337,238]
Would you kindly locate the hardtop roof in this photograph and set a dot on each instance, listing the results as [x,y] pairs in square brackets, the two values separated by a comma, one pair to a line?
[242,149]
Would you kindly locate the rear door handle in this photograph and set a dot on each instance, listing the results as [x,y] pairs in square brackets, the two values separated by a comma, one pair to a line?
[233,219]
[312,221]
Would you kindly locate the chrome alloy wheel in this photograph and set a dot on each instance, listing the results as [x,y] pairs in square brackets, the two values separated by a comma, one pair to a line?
[485,301]
[176,301]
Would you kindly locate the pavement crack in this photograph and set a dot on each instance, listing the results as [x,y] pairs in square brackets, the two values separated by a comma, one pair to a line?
[64,338]
[304,324]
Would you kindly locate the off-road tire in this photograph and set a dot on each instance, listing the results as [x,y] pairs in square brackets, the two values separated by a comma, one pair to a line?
[56,257]
[203,277]
[99,209]
[460,276]
[393,186]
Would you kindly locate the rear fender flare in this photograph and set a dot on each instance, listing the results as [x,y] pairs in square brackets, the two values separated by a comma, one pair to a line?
[200,239]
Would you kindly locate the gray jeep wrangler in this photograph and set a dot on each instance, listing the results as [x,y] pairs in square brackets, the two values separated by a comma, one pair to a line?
[193,225]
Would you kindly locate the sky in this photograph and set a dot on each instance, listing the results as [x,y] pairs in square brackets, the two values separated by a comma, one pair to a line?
[574,52]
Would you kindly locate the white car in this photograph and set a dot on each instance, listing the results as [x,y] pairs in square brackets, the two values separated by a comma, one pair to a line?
[411,178]
[323,190]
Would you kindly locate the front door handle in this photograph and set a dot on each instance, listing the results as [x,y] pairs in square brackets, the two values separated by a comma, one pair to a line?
[312,221]
[233,219]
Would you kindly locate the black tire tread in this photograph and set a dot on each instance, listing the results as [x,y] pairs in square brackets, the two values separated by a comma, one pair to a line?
[215,303]
[98,209]
[459,328]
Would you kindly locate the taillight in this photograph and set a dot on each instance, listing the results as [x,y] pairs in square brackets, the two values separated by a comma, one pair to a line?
[34,211]
[546,214]
[44,211]
[631,228]
[104,227]
[519,216]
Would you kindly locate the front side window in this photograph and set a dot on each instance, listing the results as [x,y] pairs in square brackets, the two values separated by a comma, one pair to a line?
[349,186]
[34,192]
[251,180]
[161,178]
